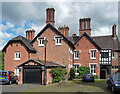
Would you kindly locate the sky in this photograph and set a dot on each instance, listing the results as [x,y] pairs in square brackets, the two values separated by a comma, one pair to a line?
[17,17]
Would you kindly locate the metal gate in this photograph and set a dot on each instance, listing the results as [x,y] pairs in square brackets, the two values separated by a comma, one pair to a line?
[32,74]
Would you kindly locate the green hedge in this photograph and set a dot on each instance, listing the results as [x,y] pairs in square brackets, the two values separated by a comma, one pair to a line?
[1,60]
[72,73]
[58,74]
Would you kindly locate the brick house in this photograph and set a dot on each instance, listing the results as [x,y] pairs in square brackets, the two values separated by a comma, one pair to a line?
[25,56]
[100,53]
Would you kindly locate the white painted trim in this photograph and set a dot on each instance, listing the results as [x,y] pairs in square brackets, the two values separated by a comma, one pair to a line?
[93,64]
[77,50]
[93,50]
[38,39]
[90,67]
[17,59]
[75,68]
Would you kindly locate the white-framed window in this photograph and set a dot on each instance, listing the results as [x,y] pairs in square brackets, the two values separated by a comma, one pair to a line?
[40,42]
[76,68]
[17,56]
[58,41]
[113,54]
[93,68]
[76,54]
[17,71]
[93,53]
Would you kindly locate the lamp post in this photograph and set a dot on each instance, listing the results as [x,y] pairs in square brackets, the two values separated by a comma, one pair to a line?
[45,44]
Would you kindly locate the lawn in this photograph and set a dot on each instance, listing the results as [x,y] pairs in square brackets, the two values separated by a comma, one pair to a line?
[74,86]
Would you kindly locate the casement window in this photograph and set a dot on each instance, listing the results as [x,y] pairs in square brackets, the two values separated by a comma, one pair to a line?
[17,56]
[93,68]
[113,54]
[58,40]
[40,42]
[76,68]
[76,54]
[17,71]
[93,53]
[105,54]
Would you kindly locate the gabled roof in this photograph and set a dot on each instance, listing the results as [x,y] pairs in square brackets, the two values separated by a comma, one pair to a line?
[20,39]
[42,62]
[107,42]
[56,31]
[89,38]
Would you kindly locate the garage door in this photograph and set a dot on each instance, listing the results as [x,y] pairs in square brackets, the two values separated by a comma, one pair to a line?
[32,74]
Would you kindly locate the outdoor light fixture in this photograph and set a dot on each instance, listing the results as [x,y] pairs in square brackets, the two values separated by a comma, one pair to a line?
[45,44]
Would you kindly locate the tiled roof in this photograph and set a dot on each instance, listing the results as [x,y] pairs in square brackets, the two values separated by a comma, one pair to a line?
[105,42]
[42,62]
[56,31]
[22,39]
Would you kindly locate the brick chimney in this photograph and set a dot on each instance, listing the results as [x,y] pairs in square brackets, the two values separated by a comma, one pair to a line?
[84,26]
[50,16]
[114,31]
[30,34]
[64,30]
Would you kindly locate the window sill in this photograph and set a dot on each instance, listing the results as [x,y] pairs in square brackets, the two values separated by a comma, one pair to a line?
[58,44]
[93,58]
[41,45]
[17,59]
[94,73]
[76,58]
[76,73]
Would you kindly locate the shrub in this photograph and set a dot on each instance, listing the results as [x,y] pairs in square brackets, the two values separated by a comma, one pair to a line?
[83,70]
[77,77]
[72,73]
[58,74]
[95,76]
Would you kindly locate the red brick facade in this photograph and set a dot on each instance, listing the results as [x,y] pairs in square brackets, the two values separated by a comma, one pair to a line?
[84,45]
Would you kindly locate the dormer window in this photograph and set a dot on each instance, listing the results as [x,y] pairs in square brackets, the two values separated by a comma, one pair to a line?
[40,41]
[58,40]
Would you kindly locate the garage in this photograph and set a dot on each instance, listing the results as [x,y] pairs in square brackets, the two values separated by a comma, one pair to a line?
[32,74]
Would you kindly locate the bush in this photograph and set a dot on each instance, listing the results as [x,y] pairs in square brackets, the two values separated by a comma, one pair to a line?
[72,73]
[83,70]
[77,77]
[95,76]
[58,74]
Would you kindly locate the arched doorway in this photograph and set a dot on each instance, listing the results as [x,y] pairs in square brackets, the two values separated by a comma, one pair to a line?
[102,74]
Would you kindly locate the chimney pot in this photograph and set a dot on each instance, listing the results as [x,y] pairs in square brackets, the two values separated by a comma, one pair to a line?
[114,31]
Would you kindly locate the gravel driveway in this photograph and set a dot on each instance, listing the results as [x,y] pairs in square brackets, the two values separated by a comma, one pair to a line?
[17,88]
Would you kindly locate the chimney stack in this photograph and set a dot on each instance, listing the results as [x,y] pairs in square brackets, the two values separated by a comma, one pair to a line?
[114,31]
[50,16]
[30,34]
[64,30]
[84,26]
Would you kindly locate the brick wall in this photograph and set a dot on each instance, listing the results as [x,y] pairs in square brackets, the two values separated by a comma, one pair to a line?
[84,56]
[55,53]
[9,63]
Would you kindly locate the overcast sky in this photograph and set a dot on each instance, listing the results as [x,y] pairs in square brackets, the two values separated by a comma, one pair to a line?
[19,16]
